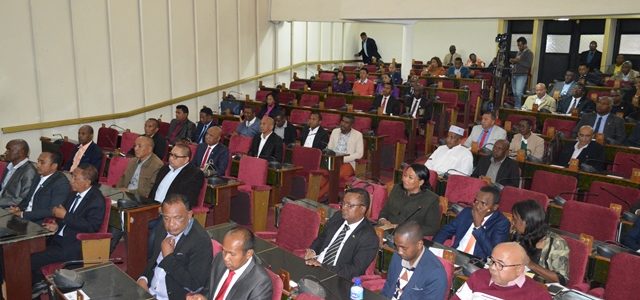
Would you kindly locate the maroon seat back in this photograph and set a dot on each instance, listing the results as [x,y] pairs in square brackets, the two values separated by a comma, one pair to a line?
[604,193]
[349,68]
[298,227]
[117,167]
[319,85]
[449,269]
[107,138]
[554,184]
[620,284]
[578,259]
[623,163]
[194,148]
[512,195]
[286,97]
[163,130]
[239,144]
[299,116]
[463,189]
[564,126]
[229,126]
[450,98]
[276,285]
[394,130]
[326,76]
[128,141]
[309,100]
[308,158]
[261,95]
[104,227]
[66,150]
[3,167]
[362,124]
[297,85]
[202,193]
[253,170]
[330,121]
[360,103]
[216,246]
[597,221]
[334,102]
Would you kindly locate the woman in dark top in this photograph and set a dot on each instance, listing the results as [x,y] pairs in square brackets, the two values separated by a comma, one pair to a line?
[548,252]
[340,85]
[413,196]
[270,108]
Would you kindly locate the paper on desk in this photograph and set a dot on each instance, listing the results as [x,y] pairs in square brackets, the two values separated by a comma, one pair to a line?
[74,295]
[437,251]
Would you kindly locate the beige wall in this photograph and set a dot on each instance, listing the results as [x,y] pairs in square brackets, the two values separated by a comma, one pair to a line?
[69,59]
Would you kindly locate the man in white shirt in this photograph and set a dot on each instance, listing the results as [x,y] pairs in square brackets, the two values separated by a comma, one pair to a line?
[235,273]
[19,174]
[313,135]
[452,157]
[267,145]
[544,101]
[487,133]
[180,261]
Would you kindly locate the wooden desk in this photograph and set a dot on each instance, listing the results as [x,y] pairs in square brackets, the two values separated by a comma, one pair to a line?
[16,253]
[218,197]
[372,147]
[584,178]
[332,163]
[279,179]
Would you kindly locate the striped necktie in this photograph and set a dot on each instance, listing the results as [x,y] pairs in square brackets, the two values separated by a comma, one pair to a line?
[330,257]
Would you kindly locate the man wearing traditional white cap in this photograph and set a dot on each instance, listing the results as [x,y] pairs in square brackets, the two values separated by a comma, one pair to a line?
[452,158]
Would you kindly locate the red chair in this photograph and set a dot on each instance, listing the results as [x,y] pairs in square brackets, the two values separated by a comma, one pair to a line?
[371,68]
[363,104]
[462,189]
[620,281]
[299,116]
[446,83]
[193,147]
[554,184]
[3,167]
[66,150]
[261,95]
[229,127]
[319,86]
[276,285]
[330,121]
[107,138]
[286,97]
[350,77]
[200,210]
[449,269]
[604,193]
[309,100]
[349,68]
[297,85]
[103,165]
[163,130]
[624,162]
[564,126]
[297,229]
[597,221]
[128,141]
[334,102]
[393,145]
[433,179]
[253,173]
[326,76]
[309,159]
[578,260]
[117,167]
[362,124]
[238,144]
[512,195]
[450,98]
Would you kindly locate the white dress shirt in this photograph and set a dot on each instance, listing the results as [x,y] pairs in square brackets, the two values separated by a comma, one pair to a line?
[42,180]
[73,208]
[385,101]
[352,228]
[12,169]
[457,158]
[308,142]
[165,184]
[577,151]
[263,140]
[237,275]
[467,236]
[415,105]
[573,104]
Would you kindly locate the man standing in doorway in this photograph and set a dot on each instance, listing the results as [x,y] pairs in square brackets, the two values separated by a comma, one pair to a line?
[369,49]
[521,66]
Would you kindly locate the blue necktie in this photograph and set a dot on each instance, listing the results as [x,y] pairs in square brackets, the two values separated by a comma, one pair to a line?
[597,127]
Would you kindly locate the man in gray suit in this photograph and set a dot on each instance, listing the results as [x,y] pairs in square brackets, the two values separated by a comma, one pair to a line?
[603,121]
[565,88]
[18,176]
[487,133]
[237,261]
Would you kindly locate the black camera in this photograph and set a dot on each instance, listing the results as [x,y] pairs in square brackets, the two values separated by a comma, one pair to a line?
[502,37]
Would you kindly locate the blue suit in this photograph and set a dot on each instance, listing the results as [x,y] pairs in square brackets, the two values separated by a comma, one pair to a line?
[464,72]
[92,156]
[219,157]
[494,231]
[632,238]
[200,132]
[429,280]
[251,131]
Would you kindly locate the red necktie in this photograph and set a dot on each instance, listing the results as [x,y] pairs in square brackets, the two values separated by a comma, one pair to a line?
[483,138]
[205,157]
[225,285]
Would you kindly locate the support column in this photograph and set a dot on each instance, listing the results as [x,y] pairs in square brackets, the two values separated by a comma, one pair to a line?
[607,43]
[407,49]
[535,46]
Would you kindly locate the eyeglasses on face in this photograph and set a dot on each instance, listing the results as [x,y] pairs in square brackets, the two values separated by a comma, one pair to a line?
[177,156]
[349,205]
[498,264]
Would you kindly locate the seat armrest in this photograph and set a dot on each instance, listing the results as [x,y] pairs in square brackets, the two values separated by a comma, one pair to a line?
[93,236]
[267,235]
[261,187]
[200,209]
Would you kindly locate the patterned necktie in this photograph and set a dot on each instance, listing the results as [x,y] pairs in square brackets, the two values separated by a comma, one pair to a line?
[404,275]
[205,157]
[330,257]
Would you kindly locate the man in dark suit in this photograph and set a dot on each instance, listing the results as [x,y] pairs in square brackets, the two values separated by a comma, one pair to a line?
[179,177]
[587,76]
[206,121]
[47,191]
[18,176]
[565,88]
[86,152]
[151,127]
[267,145]
[585,150]
[313,135]
[500,168]
[414,272]
[180,128]
[369,49]
[591,57]
[576,100]
[82,212]
[603,121]
[479,228]
[417,105]
[388,103]
[180,260]
[212,157]
[236,261]
[285,130]
[348,243]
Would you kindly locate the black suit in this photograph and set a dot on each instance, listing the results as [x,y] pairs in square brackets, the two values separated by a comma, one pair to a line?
[593,155]
[423,104]
[393,105]
[595,61]
[372,50]
[320,140]
[290,134]
[272,149]
[187,267]
[92,156]
[159,146]
[219,157]
[53,192]
[86,218]
[508,173]
[584,105]
[201,130]
[188,183]
[254,283]
[613,130]
[358,251]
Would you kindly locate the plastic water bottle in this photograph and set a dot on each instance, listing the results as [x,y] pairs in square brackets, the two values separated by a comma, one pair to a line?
[357,292]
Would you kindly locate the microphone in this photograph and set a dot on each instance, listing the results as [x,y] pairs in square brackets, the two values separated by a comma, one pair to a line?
[60,135]
[68,280]
[446,174]
[616,196]
[561,201]
[389,236]
[498,184]
[116,126]
[119,192]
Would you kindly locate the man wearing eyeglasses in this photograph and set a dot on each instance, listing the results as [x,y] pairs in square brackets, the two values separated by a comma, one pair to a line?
[181,255]
[178,177]
[505,278]
[477,229]
[348,243]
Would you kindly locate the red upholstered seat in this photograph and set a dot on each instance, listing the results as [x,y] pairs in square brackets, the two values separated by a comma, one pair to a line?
[309,159]
[334,102]
[554,184]
[330,121]
[326,76]
[128,141]
[163,130]
[200,210]
[3,167]
[309,100]
[449,269]
[564,126]
[515,119]
[66,150]
[253,173]
[286,97]
[597,221]
[238,144]
[297,85]
[377,194]
[362,124]
[623,163]
[299,116]
[350,77]
[446,83]
[297,229]
[229,126]
[578,259]
[371,68]
[604,193]
[450,98]
[193,147]
[117,166]
[317,85]
[349,68]
[363,104]
[107,138]
[462,189]
[395,134]
[512,195]
[217,247]
[276,285]
[261,95]
[621,280]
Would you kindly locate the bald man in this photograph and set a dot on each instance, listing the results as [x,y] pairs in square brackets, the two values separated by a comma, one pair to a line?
[212,155]
[544,101]
[19,174]
[141,172]
[267,145]
[505,277]
[86,152]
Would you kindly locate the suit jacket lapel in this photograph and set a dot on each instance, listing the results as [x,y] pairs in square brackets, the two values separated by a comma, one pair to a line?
[238,283]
